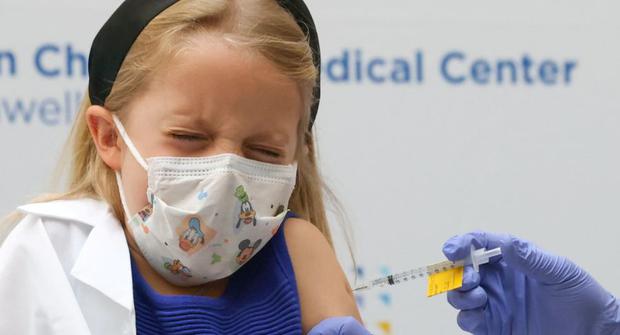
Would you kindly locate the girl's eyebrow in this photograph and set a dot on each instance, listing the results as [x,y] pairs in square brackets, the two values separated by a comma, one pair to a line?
[275,136]
[184,118]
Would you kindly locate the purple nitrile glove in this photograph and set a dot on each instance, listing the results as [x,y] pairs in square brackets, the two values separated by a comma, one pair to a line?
[527,291]
[339,325]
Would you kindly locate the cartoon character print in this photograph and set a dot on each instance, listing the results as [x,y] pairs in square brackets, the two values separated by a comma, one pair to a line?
[247,215]
[143,215]
[193,234]
[177,268]
[146,212]
[246,249]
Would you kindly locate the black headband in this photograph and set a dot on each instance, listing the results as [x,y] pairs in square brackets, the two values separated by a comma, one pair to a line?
[118,34]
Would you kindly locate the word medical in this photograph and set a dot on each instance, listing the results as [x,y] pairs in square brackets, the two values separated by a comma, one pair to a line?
[454,68]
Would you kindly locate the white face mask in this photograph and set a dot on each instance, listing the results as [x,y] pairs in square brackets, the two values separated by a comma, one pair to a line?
[207,216]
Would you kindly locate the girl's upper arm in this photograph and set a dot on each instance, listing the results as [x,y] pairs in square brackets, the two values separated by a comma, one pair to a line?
[324,290]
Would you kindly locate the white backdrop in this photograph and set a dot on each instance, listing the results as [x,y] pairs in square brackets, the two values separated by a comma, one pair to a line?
[419,135]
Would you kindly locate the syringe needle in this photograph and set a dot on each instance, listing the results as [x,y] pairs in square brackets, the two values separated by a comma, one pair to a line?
[361,288]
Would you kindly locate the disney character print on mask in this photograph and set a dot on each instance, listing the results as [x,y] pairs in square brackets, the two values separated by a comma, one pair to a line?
[247,214]
[140,218]
[193,234]
[246,250]
[177,268]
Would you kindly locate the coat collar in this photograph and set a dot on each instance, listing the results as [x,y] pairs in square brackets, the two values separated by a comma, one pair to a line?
[103,261]
[85,210]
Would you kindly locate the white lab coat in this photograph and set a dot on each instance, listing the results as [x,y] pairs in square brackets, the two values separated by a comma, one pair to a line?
[65,270]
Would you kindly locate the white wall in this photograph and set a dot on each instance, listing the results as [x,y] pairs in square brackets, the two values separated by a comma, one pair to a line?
[416,162]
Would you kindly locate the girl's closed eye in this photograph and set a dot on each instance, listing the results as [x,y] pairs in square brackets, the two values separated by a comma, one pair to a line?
[187,142]
[266,154]
[188,137]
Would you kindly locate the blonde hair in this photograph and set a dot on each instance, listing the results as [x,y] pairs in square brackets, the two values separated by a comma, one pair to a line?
[261,26]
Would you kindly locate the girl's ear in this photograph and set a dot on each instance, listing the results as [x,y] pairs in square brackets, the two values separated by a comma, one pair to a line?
[104,135]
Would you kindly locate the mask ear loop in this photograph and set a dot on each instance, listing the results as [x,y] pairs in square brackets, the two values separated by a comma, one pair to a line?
[121,192]
[132,148]
[134,152]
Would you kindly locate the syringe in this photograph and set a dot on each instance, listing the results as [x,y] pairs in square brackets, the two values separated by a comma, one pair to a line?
[476,258]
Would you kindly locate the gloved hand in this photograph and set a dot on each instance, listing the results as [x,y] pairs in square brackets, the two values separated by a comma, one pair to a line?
[340,325]
[527,291]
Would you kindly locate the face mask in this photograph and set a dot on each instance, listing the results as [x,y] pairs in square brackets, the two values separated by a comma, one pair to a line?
[207,216]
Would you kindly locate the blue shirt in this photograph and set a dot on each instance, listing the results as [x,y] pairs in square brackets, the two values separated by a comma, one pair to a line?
[260,298]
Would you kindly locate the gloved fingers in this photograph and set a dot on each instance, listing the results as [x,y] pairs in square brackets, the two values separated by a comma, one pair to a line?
[471,279]
[339,325]
[540,265]
[353,327]
[472,299]
[472,321]
[459,247]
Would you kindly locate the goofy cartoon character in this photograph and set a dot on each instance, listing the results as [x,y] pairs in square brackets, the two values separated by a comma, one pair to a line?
[247,215]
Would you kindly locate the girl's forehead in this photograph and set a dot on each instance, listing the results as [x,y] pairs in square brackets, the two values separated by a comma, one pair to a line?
[218,60]
[215,83]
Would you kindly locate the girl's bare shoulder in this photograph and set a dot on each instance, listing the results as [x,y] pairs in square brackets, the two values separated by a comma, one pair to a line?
[324,290]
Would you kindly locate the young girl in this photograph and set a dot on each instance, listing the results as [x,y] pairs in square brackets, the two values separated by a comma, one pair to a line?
[194,139]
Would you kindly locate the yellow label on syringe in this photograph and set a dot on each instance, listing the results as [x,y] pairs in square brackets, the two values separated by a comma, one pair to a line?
[445,281]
